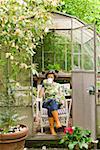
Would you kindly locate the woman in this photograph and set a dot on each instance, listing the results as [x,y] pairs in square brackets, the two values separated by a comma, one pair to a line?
[50,91]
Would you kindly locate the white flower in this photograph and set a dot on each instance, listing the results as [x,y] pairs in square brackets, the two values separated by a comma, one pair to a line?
[18,31]
[95,141]
[17,47]
[44,148]
[62,3]
[21,2]
[17,84]
[23,65]
[54,3]
[30,93]
[16,63]
[73,128]
[11,57]
[33,39]
[8,55]
[13,44]
[34,46]
[21,17]
[46,29]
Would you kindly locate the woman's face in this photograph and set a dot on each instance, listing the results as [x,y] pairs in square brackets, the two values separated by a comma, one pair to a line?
[50,78]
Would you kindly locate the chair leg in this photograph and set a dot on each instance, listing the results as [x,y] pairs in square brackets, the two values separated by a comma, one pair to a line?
[41,124]
[41,129]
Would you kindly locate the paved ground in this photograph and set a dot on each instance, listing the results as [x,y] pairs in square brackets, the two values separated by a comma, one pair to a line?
[44,148]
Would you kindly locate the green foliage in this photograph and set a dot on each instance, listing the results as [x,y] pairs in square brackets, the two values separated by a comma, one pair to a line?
[55,52]
[56,47]
[54,67]
[8,119]
[86,10]
[22,25]
[76,137]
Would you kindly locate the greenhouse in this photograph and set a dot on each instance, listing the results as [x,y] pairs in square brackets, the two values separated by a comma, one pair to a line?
[72,48]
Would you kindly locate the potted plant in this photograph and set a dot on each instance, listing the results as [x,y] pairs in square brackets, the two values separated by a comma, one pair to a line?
[22,25]
[12,134]
[77,138]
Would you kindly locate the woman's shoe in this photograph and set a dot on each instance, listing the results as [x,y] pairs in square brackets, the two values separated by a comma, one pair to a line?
[61,129]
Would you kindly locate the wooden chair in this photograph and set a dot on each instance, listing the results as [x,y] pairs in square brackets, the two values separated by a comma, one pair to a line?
[64,113]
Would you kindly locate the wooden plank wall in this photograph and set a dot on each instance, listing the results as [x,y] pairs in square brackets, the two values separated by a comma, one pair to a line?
[84,106]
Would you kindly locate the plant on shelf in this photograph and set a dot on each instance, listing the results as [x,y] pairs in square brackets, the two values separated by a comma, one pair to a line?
[22,25]
[77,138]
[54,67]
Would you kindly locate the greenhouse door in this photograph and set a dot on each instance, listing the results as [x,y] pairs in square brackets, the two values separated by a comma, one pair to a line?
[84,105]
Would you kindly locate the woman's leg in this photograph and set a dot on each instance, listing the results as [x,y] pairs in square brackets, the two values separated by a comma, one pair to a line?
[53,112]
[51,122]
[56,118]
[52,107]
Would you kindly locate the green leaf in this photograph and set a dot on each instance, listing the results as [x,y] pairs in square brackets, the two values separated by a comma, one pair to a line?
[34,72]
[71,146]
[85,145]
[81,145]
[61,141]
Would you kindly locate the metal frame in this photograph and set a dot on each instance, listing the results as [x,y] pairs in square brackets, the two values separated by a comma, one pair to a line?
[80,53]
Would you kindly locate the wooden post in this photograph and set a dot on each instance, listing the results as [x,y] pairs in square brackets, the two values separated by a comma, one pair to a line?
[95,71]
[42,56]
[72,52]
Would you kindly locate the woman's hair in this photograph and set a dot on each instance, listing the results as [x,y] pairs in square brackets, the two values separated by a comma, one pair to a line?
[51,72]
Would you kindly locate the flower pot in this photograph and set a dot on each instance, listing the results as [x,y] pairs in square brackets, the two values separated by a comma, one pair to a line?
[13,141]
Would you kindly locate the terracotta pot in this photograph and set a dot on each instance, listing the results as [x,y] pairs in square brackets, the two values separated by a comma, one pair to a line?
[13,141]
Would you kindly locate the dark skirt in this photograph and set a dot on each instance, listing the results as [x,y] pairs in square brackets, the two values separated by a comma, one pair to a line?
[51,105]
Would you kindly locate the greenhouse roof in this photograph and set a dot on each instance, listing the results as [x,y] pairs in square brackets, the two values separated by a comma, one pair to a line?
[70,44]
[65,22]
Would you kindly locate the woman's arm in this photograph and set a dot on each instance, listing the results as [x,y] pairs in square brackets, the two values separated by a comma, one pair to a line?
[41,93]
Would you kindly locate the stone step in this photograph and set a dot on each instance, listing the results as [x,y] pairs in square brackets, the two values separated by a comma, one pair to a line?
[47,140]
